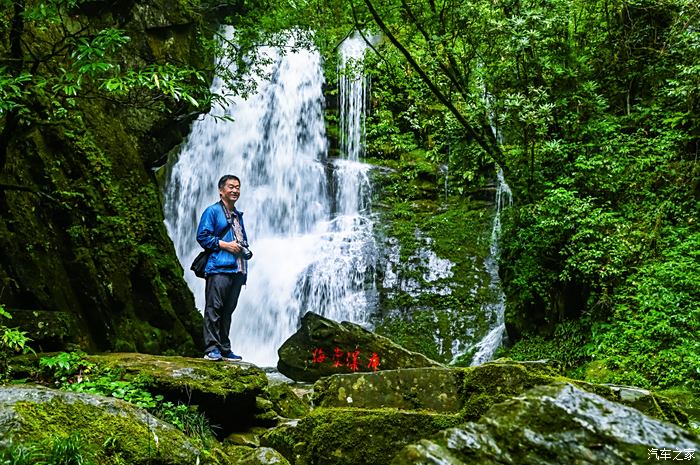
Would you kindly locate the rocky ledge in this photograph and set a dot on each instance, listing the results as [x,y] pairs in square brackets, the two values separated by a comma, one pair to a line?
[501,412]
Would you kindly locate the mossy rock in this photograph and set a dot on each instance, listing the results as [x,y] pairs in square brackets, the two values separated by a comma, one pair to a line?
[242,455]
[341,436]
[109,430]
[434,389]
[286,402]
[310,352]
[497,381]
[553,425]
[282,438]
[226,392]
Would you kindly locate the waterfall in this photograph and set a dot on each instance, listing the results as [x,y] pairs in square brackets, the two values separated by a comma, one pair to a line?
[494,311]
[305,214]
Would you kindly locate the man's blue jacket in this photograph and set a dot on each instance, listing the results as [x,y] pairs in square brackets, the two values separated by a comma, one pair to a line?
[211,225]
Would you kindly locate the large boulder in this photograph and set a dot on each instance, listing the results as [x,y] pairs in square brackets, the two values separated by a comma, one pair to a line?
[107,429]
[322,347]
[497,381]
[554,425]
[226,392]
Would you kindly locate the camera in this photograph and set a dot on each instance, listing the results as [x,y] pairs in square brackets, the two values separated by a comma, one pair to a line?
[245,251]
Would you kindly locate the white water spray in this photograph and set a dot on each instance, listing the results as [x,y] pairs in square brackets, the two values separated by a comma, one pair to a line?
[494,311]
[312,242]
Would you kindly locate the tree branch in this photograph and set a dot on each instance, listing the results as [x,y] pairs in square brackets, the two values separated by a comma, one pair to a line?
[492,150]
[18,187]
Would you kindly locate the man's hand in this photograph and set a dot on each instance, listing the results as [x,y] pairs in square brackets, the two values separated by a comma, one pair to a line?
[232,246]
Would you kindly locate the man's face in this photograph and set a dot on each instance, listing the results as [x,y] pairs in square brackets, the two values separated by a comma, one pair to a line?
[231,191]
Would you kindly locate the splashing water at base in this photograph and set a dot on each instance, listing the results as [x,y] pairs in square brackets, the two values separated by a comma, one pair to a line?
[313,248]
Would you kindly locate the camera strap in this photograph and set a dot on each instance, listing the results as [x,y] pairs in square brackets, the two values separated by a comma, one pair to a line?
[227,214]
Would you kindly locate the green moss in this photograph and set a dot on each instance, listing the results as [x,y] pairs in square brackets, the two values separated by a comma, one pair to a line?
[180,374]
[285,402]
[357,436]
[282,439]
[495,382]
[127,439]
[492,383]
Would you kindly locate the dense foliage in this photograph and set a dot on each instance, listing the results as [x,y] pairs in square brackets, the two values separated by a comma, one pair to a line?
[591,110]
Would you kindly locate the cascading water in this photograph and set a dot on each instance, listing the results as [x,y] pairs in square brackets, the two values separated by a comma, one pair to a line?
[312,242]
[494,311]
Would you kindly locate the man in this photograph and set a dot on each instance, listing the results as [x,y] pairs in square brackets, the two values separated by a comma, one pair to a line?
[222,232]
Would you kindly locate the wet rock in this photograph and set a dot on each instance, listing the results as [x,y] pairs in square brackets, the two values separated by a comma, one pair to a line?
[226,392]
[34,414]
[435,389]
[472,390]
[494,382]
[310,353]
[552,425]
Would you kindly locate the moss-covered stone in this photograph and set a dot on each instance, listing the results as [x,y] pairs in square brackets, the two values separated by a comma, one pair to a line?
[282,438]
[434,389]
[242,455]
[226,392]
[361,436]
[110,430]
[495,382]
[286,402]
[553,425]
[433,284]
[322,347]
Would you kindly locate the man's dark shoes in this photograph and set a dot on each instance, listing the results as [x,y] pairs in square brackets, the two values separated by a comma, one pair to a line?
[231,357]
[213,355]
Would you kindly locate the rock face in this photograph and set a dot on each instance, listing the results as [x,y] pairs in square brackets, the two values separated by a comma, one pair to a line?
[84,234]
[553,425]
[434,389]
[322,347]
[39,414]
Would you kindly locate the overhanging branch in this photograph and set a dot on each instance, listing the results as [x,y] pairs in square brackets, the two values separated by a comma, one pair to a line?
[492,150]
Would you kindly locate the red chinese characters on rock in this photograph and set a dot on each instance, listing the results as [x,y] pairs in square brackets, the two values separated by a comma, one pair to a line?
[337,357]
[373,362]
[349,359]
[318,356]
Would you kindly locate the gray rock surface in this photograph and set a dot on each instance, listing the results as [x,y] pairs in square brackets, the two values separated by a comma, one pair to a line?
[556,425]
